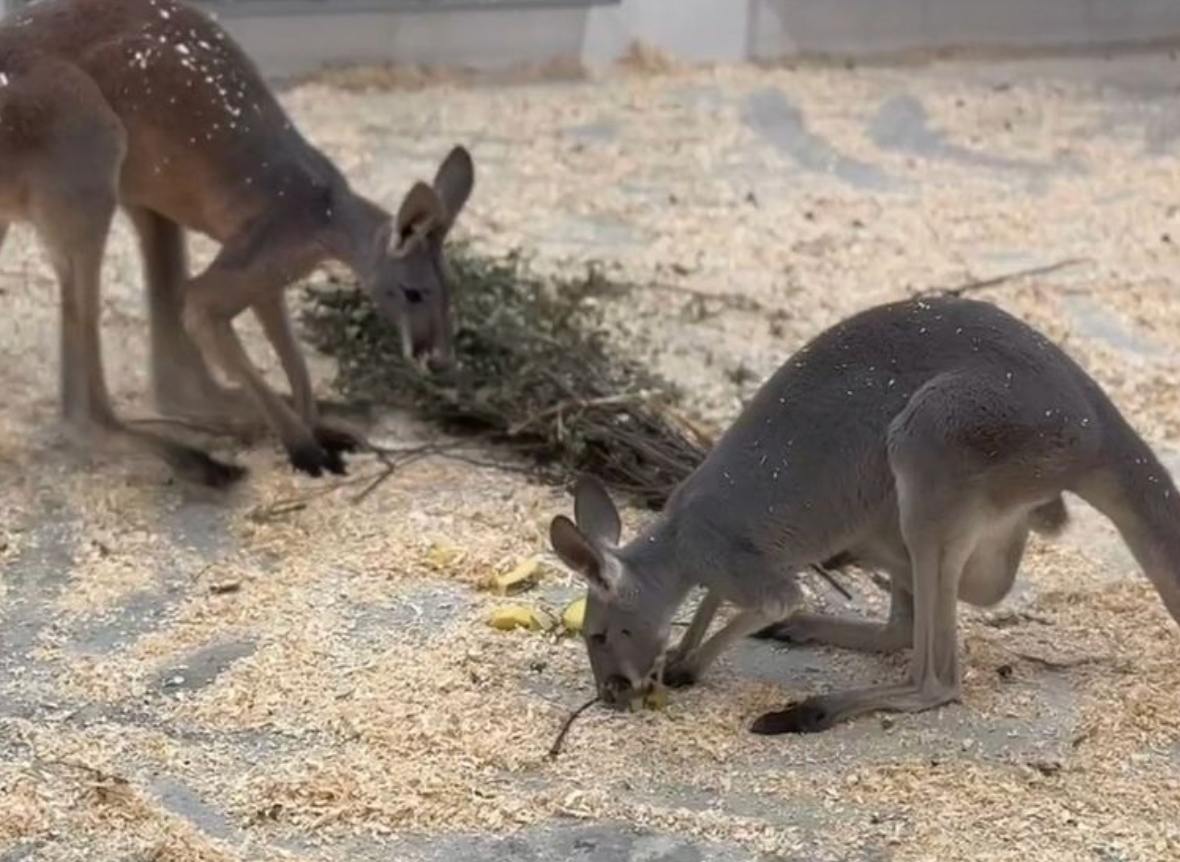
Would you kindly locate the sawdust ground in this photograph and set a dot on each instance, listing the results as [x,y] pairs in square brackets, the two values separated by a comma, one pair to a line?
[438,724]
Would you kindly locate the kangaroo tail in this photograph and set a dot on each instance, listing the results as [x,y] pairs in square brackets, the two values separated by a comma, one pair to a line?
[1134,490]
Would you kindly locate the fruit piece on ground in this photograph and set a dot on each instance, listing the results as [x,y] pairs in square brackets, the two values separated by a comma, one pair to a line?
[573,618]
[509,617]
[518,579]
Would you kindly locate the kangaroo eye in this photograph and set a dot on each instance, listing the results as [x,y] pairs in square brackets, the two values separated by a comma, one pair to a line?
[598,638]
[626,633]
[413,296]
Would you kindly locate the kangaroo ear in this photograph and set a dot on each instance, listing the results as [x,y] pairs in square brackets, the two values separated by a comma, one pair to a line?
[595,512]
[578,552]
[453,183]
[420,213]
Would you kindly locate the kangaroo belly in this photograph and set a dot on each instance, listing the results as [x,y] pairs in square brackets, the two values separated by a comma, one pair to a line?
[991,569]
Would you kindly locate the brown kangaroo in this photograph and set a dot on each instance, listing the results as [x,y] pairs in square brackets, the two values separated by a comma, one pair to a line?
[922,438]
[149,105]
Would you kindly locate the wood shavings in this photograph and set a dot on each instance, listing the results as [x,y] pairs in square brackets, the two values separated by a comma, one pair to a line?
[379,702]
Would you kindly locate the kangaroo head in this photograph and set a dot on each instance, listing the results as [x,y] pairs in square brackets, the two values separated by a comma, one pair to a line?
[410,285]
[626,625]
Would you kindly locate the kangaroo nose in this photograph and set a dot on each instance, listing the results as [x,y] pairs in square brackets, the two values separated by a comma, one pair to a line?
[615,690]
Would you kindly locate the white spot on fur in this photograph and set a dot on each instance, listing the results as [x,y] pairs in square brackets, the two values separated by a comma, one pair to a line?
[3,80]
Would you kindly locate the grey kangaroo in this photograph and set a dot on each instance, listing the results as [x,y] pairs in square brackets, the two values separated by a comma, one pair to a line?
[921,438]
[149,105]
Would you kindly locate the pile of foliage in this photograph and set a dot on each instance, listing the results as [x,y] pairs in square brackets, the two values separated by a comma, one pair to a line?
[535,371]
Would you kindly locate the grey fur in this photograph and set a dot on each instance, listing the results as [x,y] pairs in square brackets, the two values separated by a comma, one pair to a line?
[923,439]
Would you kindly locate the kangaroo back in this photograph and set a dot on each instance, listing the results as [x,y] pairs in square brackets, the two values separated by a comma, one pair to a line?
[208,145]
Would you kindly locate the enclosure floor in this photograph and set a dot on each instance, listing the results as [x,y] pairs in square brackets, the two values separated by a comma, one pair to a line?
[202,678]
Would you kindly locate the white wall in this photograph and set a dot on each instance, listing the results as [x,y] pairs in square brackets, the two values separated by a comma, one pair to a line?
[692,30]
[700,30]
[471,38]
[783,27]
[733,30]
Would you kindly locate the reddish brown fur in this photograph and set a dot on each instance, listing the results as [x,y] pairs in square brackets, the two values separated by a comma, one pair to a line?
[149,105]
[188,145]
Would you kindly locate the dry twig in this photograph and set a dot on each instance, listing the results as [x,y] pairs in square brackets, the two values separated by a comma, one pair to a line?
[100,776]
[555,748]
[986,283]
[1055,663]
[832,582]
